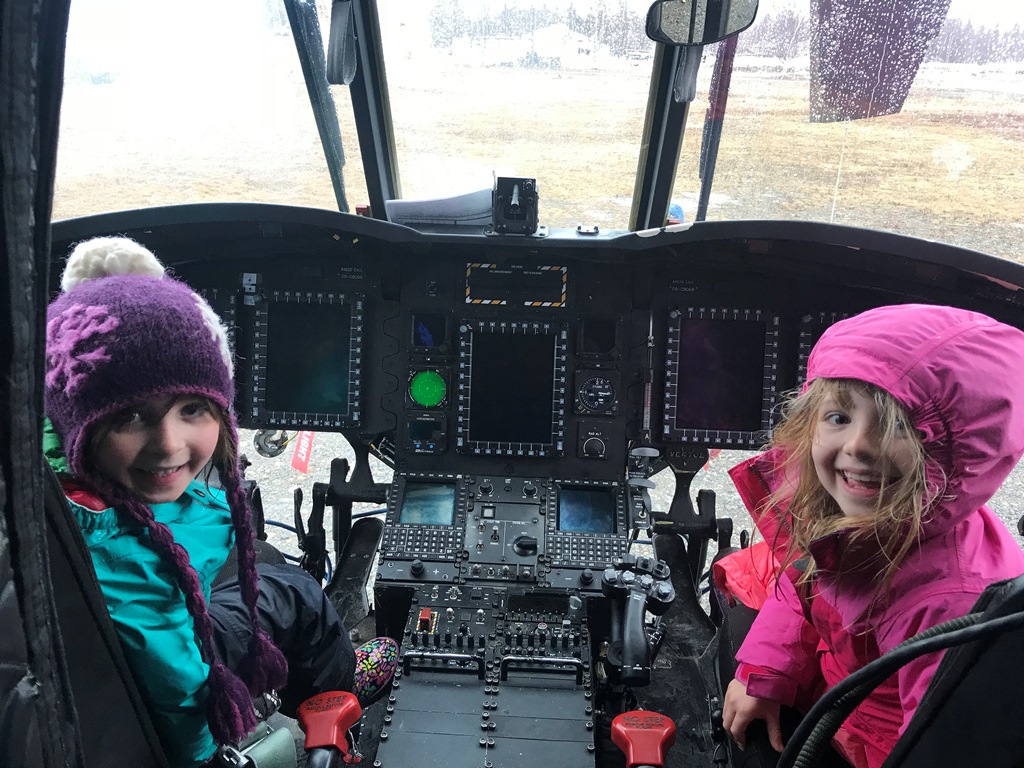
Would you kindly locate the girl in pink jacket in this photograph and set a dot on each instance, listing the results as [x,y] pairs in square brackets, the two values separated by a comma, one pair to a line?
[873,499]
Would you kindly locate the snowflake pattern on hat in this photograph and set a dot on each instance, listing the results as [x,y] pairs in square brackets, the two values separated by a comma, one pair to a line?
[74,344]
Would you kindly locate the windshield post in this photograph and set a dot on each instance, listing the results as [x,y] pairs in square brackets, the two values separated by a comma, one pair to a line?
[372,108]
[662,137]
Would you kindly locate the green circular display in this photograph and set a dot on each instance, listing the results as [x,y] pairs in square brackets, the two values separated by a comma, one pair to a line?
[427,388]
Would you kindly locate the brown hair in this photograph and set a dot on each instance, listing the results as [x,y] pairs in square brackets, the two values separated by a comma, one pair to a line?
[810,510]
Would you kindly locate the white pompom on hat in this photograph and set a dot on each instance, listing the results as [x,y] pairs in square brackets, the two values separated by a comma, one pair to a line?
[106,256]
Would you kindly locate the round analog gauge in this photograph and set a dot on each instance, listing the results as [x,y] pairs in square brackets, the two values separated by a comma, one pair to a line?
[427,388]
[597,393]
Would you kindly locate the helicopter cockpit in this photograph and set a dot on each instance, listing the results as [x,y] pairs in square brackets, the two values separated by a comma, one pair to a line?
[522,383]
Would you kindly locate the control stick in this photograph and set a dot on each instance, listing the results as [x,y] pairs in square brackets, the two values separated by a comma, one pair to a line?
[327,719]
[636,585]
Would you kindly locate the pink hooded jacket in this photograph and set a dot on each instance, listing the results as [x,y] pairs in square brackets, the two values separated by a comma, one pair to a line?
[959,375]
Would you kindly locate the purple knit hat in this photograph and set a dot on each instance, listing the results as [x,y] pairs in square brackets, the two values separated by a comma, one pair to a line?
[123,332]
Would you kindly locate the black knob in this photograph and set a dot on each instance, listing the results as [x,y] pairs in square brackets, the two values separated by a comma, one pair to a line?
[437,641]
[486,489]
[587,577]
[525,545]
[530,490]
[414,638]
[447,638]
[593,446]
[416,569]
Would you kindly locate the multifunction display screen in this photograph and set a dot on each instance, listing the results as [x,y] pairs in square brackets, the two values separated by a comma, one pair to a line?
[428,504]
[586,510]
[307,353]
[720,377]
[511,388]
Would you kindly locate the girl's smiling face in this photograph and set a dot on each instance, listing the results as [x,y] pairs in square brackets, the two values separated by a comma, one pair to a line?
[849,457]
[156,448]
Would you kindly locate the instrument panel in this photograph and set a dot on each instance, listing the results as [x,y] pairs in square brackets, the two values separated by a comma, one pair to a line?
[530,366]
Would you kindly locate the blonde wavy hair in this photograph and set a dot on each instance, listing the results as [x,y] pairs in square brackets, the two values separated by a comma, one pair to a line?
[811,512]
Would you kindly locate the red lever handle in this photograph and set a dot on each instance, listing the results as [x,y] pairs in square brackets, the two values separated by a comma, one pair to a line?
[327,717]
[643,737]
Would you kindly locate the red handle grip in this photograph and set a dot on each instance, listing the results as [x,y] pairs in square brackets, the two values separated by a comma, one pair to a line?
[327,717]
[643,737]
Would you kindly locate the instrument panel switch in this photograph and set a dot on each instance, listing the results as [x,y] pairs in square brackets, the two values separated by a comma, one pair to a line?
[423,623]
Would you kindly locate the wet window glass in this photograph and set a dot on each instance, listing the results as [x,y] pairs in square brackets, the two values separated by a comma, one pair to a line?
[187,102]
[552,91]
[939,156]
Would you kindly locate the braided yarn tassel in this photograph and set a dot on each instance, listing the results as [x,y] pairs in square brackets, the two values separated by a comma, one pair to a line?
[229,709]
[264,668]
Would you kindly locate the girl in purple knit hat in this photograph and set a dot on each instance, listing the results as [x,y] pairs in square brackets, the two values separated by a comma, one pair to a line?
[138,393]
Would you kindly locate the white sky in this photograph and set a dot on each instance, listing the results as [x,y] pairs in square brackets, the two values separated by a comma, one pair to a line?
[93,13]
[989,13]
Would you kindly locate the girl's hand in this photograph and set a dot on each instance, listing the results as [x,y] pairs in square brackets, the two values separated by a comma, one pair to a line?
[740,710]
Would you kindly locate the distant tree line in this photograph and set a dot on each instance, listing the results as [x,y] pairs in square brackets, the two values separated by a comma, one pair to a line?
[610,24]
[786,34]
[782,35]
[961,42]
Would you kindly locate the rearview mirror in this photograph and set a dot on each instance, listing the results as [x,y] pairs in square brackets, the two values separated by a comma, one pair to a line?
[698,22]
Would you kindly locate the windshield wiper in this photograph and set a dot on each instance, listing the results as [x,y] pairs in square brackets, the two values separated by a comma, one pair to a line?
[309,45]
[713,119]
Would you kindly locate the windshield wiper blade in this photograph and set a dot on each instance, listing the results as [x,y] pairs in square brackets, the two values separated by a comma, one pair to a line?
[309,45]
[712,135]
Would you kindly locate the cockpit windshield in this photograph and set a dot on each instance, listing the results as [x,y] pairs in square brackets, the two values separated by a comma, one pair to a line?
[205,101]
[552,91]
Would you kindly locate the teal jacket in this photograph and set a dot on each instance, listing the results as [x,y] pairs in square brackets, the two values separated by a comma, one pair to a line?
[148,608]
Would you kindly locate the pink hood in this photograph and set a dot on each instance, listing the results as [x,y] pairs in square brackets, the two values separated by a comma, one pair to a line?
[960,375]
